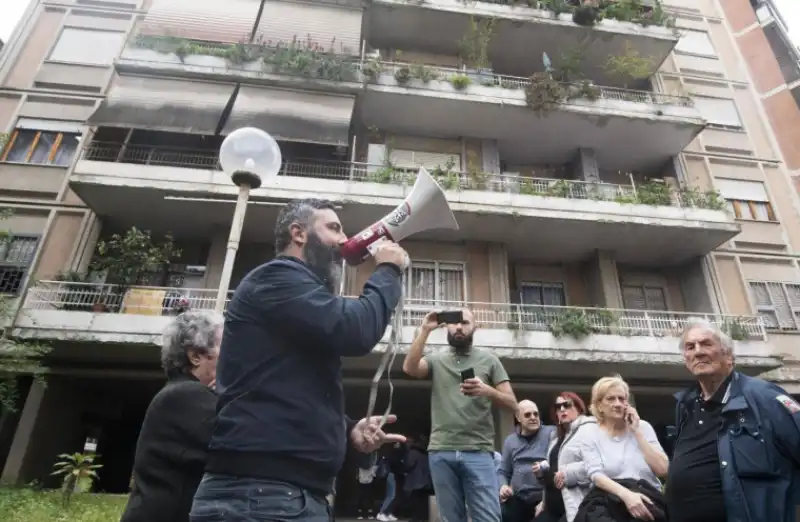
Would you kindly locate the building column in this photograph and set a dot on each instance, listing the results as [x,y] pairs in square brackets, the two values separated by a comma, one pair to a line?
[216,258]
[503,426]
[490,156]
[584,166]
[603,281]
[499,291]
[23,436]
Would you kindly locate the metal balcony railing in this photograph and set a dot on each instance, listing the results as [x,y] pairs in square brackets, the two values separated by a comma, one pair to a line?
[302,59]
[548,183]
[148,300]
[608,321]
[518,83]
[139,300]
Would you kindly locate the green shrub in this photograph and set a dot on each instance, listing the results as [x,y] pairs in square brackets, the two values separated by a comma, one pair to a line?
[29,505]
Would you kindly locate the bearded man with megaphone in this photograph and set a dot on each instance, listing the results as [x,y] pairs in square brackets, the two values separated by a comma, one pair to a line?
[281,432]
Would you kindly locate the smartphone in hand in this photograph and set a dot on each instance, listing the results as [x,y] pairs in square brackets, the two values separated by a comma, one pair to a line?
[469,373]
[451,317]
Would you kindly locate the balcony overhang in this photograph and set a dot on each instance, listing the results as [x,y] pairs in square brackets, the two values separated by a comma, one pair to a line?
[520,38]
[549,229]
[87,337]
[626,135]
[137,62]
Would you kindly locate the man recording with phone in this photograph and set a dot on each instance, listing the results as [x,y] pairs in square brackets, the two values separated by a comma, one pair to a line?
[281,432]
[466,383]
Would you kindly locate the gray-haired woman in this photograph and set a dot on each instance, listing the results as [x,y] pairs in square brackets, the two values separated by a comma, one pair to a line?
[173,443]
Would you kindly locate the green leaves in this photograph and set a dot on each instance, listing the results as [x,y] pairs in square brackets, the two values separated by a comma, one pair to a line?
[128,256]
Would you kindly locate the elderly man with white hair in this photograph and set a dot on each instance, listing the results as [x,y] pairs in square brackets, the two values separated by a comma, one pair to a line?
[172,448]
[737,452]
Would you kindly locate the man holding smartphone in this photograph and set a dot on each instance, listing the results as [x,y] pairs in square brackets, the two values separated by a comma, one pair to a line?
[466,383]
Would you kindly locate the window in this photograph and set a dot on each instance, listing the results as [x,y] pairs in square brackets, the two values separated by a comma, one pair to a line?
[746,199]
[434,283]
[87,46]
[545,294]
[719,111]
[644,298]
[696,42]
[429,160]
[42,142]
[16,256]
[778,304]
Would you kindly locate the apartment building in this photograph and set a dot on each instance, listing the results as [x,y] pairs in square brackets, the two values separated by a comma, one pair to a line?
[611,178]
[774,64]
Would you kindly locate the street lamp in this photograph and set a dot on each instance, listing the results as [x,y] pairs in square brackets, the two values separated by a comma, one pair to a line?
[249,156]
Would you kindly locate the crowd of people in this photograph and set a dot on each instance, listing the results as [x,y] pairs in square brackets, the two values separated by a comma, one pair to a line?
[251,424]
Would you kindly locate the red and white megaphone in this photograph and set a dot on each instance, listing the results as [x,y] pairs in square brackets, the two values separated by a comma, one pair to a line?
[426,208]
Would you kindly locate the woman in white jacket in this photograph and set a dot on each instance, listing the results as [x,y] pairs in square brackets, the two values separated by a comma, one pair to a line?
[564,473]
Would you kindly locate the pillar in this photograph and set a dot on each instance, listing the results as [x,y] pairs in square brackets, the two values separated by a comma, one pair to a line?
[498,273]
[584,166]
[23,435]
[503,426]
[603,281]
[491,156]
[216,258]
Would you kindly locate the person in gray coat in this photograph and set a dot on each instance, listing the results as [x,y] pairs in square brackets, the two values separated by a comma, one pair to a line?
[564,473]
[520,489]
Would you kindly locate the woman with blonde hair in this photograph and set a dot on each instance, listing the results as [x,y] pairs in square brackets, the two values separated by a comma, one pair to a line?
[623,458]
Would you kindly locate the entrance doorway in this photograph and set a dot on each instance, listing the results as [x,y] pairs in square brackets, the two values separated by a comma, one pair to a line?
[411,404]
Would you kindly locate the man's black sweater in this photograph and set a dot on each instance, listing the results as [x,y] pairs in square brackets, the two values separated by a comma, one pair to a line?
[279,376]
[171,452]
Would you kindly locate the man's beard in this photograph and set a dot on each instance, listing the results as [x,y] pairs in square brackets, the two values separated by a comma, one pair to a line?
[325,261]
[462,344]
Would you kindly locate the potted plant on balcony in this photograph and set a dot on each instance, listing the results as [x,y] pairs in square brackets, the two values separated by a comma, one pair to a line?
[125,258]
[474,48]
[587,13]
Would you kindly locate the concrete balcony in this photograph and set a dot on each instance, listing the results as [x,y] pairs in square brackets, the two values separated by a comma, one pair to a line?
[566,219]
[531,118]
[92,313]
[552,341]
[84,319]
[290,64]
[522,34]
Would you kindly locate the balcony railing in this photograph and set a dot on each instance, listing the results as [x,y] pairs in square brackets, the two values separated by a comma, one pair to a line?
[570,321]
[103,298]
[548,184]
[460,79]
[307,59]
[561,321]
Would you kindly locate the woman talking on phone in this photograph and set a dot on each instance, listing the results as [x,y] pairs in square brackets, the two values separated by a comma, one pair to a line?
[623,459]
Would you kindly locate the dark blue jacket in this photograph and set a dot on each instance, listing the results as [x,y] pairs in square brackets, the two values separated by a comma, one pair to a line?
[759,449]
[280,413]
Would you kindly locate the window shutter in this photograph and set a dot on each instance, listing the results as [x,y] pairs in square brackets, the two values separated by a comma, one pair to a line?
[742,190]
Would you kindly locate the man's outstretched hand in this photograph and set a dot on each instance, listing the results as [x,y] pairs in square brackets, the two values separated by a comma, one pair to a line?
[366,436]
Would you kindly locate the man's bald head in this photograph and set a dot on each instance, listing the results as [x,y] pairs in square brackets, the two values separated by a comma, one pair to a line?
[528,416]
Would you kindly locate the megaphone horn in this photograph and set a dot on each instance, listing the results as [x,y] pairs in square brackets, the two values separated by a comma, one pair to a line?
[425,208]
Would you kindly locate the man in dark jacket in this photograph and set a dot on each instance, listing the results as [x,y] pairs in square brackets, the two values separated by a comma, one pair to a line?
[737,452]
[281,431]
[172,447]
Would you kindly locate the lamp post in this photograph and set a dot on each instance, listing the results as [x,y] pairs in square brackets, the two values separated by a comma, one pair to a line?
[249,156]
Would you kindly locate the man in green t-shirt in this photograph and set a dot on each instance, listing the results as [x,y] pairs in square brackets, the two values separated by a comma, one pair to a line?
[462,428]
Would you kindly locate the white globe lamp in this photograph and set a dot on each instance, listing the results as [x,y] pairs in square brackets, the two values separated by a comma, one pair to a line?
[250,156]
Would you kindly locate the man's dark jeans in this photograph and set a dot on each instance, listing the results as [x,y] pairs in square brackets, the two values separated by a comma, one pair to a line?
[221,498]
[517,510]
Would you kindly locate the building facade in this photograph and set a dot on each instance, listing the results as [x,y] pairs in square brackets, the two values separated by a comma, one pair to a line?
[611,179]
[774,64]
